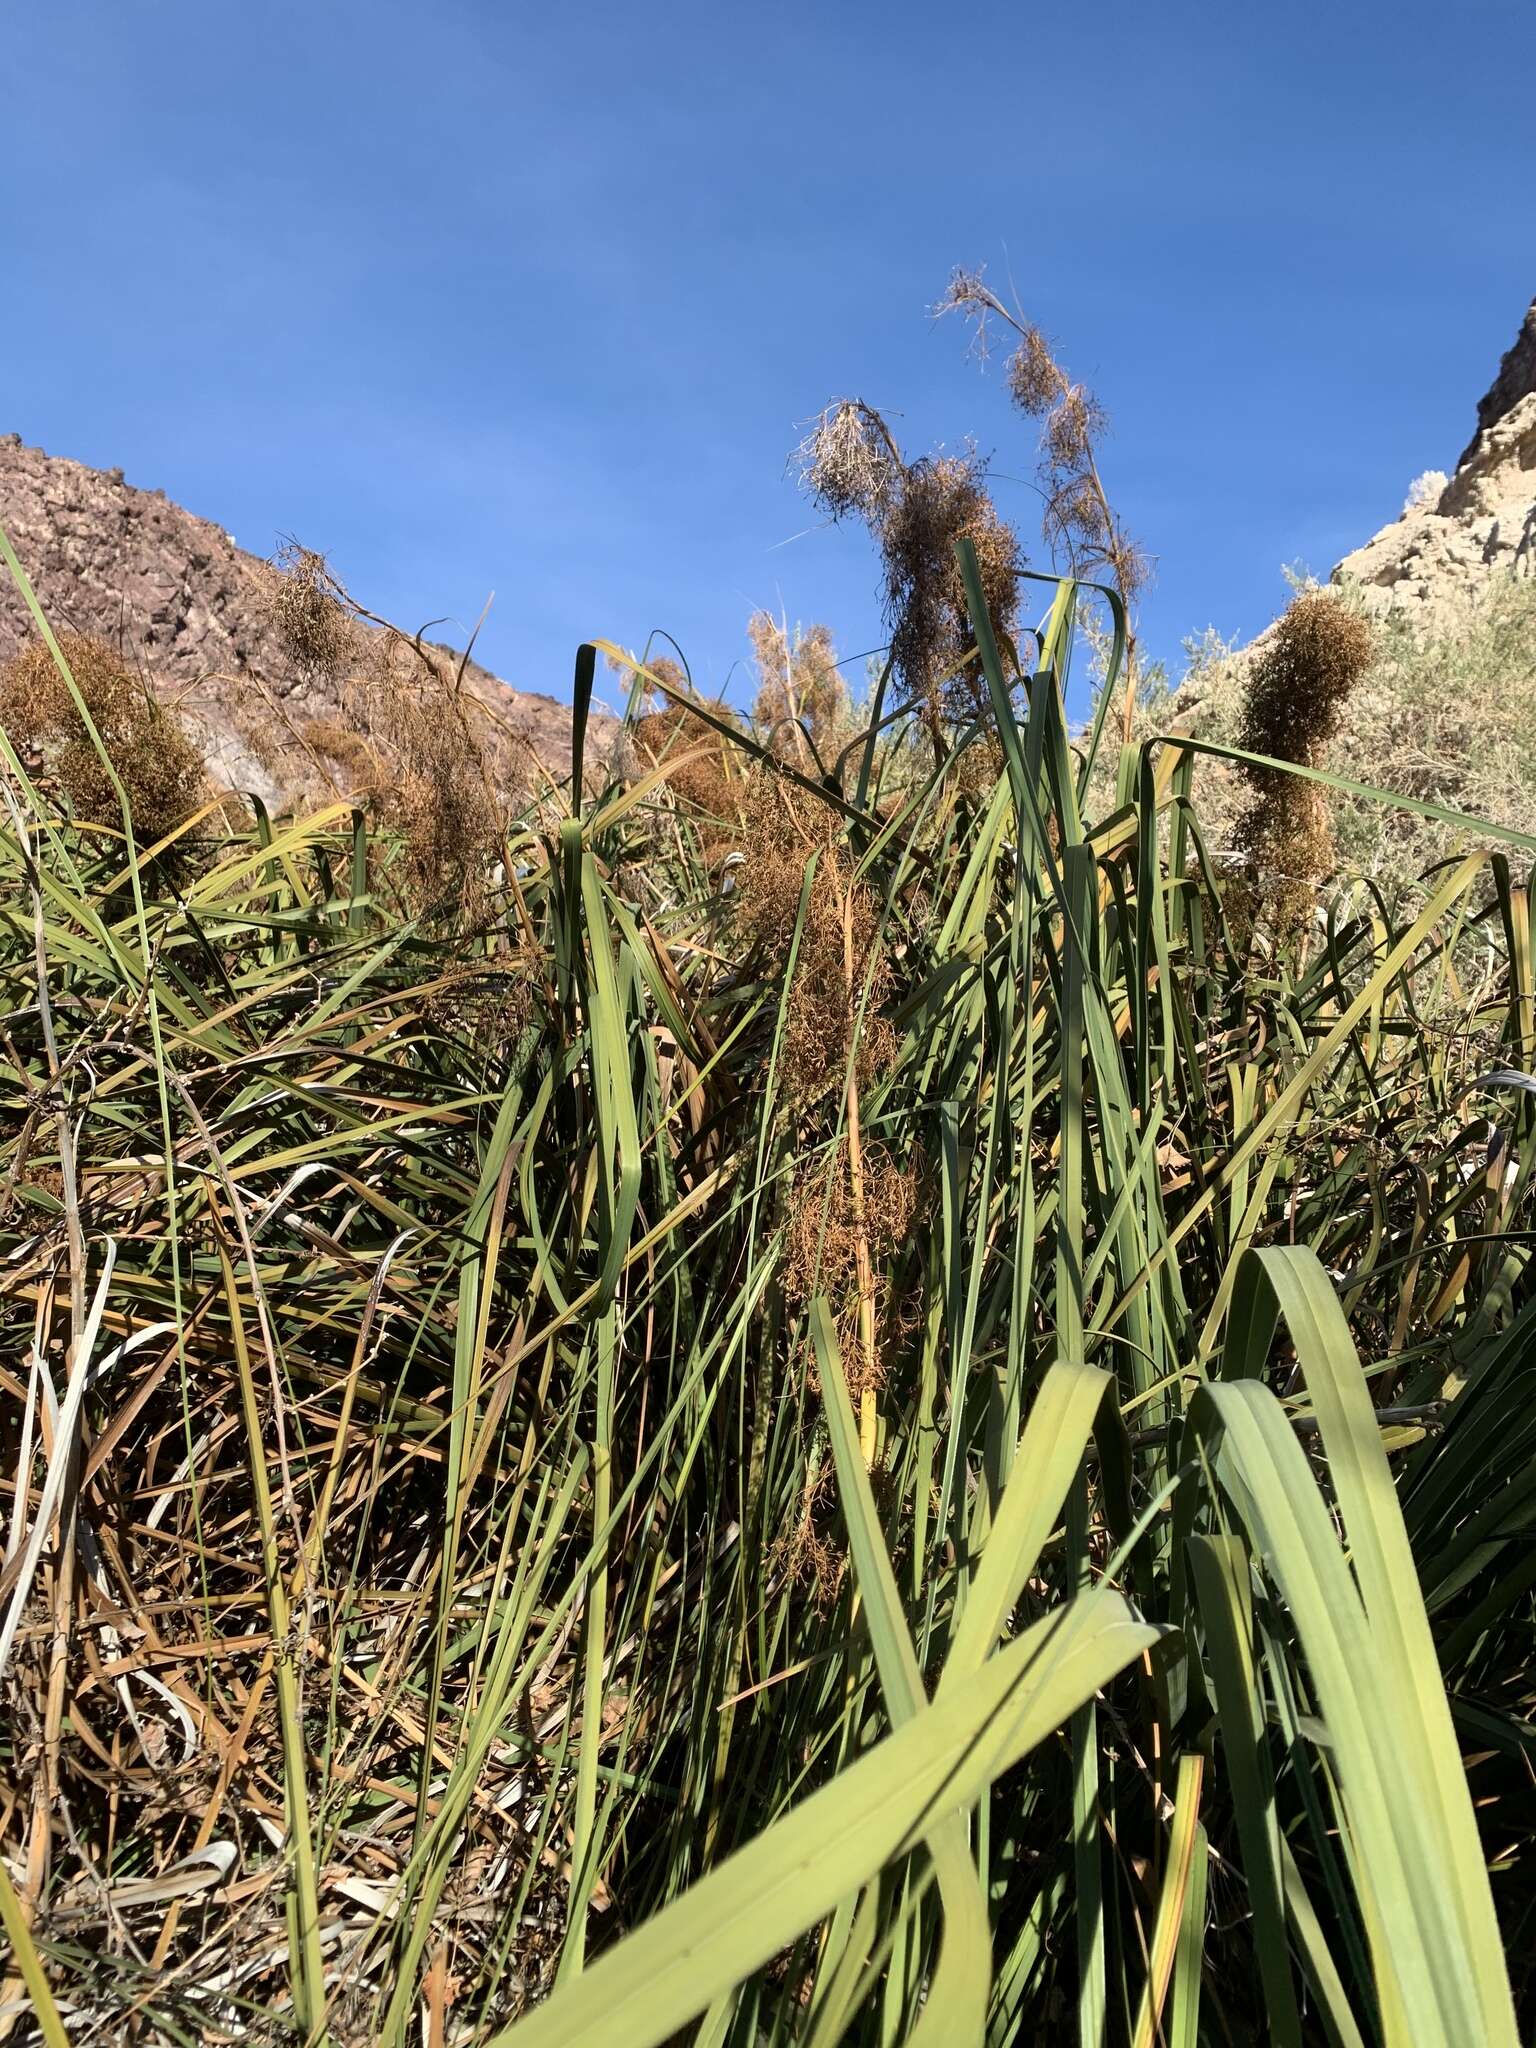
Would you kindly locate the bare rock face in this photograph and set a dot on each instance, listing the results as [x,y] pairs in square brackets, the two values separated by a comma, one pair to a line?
[1516,380]
[1428,563]
[193,612]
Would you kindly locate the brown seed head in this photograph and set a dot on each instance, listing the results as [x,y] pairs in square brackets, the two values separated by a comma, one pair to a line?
[847,461]
[1295,699]
[1035,378]
[799,685]
[156,762]
[1299,684]
[944,499]
[311,613]
[699,768]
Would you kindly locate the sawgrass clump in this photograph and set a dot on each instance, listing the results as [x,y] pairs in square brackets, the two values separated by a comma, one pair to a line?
[518,1345]
[817,1414]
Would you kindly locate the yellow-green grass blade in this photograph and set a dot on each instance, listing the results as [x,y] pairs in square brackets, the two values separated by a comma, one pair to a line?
[1407,1814]
[30,1965]
[1405,1662]
[881,1807]
[1047,1461]
[1397,800]
[1317,1959]
[1180,1923]
[957,2001]
[303,1901]
[1219,1567]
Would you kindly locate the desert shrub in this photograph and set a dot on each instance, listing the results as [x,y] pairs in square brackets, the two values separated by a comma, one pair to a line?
[157,764]
[1447,717]
[1425,491]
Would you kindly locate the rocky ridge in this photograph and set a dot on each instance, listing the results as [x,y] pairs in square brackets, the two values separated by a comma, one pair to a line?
[193,612]
[1479,524]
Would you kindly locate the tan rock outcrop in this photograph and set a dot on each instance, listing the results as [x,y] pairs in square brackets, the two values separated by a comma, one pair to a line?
[1426,565]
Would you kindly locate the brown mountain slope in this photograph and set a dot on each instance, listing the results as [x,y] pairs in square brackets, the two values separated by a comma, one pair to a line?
[194,614]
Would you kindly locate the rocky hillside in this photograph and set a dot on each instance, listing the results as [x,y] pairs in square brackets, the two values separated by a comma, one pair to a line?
[195,615]
[1464,531]
[1446,712]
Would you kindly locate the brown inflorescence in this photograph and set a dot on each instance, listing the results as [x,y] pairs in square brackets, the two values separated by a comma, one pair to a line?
[849,463]
[312,614]
[821,1240]
[441,797]
[698,766]
[1078,517]
[157,764]
[1295,699]
[916,513]
[800,690]
[809,1553]
[406,739]
[841,978]
[945,500]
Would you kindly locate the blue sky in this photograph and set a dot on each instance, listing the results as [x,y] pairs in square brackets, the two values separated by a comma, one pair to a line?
[485,297]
